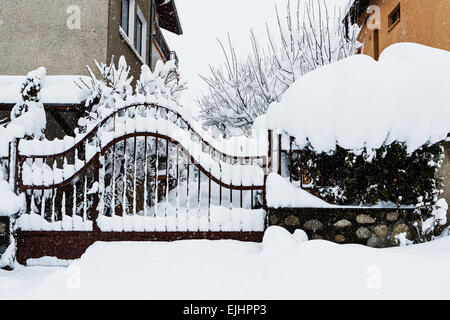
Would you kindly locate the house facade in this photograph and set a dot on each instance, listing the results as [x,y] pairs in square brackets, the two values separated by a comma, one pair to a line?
[385,22]
[65,36]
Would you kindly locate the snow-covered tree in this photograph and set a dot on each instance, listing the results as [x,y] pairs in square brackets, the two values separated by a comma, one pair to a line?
[242,89]
[29,114]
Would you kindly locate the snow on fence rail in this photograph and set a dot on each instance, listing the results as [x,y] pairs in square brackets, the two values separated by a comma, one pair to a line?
[141,168]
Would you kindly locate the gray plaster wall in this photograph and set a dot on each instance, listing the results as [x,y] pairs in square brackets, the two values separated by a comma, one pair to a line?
[34,33]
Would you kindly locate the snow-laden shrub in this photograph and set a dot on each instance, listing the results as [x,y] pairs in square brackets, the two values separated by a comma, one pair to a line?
[161,83]
[432,218]
[390,174]
[101,95]
[28,115]
[28,121]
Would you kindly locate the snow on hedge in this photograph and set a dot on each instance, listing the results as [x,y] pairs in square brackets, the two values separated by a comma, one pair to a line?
[59,89]
[358,102]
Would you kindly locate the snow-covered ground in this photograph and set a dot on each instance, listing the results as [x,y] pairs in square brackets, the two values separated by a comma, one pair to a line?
[283,267]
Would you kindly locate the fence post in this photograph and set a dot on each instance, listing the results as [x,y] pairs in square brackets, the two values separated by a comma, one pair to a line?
[14,160]
[279,154]
[96,201]
[270,151]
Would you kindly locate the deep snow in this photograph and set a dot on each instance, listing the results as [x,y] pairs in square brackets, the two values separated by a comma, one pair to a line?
[360,103]
[283,267]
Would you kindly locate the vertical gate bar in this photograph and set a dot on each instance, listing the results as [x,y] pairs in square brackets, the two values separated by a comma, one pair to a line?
[156,173]
[279,154]
[241,197]
[209,191]
[242,159]
[187,185]
[220,195]
[124,190]
[74,208]
[251,191]
[96,196]
[198,200]
[290,160]
[198,191]
[177,191]
[231,198]
[167,173]
[270,151]
[84,200]
[145,176]
[17,170]
[301,169]
[9,162]
[113,181]
[134,164]
[54,166]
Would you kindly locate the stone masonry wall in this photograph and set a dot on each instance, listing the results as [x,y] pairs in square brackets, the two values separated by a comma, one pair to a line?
[372,227]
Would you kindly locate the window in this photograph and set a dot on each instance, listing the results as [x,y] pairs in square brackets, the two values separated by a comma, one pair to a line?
[394,17]
[141,34]
[125,21]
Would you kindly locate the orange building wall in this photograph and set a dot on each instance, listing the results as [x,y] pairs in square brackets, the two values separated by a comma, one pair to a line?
[422,21]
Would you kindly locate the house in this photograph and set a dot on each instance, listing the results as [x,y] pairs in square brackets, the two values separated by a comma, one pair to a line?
[67,35]
[424,22]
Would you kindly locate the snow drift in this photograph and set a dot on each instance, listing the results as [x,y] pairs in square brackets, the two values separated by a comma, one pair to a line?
[284,266]
[359,103]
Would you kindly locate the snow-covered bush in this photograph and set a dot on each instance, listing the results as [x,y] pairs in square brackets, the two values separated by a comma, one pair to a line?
[243,88]
[391,173]
[432,218]
[164,82]
[28,115]
[28,121]
[101,95]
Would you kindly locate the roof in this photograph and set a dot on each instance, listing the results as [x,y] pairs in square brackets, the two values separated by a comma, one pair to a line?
[357,9]
[168,16]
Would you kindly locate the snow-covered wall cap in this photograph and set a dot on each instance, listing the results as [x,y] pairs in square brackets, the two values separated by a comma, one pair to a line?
[358,102]
[56,90]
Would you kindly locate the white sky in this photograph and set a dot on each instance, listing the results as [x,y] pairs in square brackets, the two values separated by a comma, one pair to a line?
[205,21]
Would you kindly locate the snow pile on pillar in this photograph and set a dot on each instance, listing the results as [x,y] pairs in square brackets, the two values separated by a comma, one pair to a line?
[283,194]
[359,103]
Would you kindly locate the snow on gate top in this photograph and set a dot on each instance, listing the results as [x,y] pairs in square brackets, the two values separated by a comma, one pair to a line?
[358,102]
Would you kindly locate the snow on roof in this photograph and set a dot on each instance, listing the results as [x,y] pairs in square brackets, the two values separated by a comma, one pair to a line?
[56,90]
[358,102]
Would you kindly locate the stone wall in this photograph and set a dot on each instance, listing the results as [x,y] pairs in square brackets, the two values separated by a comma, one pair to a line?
[4,234]
[372,227]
